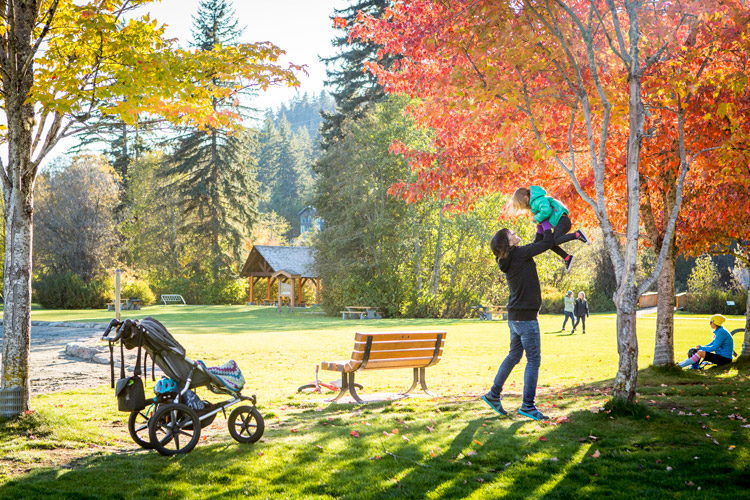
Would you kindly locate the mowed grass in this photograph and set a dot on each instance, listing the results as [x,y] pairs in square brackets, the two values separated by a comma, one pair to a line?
[688,439]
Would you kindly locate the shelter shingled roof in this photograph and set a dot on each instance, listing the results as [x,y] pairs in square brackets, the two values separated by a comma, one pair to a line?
[265,260]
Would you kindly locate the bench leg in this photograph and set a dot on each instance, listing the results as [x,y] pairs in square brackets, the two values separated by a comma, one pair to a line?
[419,378]
[348,385]
[344,387]
[353,389]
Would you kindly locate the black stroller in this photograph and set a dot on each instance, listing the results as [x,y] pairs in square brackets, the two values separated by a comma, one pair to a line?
[171,421]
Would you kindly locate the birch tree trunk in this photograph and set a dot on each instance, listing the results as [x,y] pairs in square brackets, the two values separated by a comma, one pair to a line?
[627,291]
[16,62]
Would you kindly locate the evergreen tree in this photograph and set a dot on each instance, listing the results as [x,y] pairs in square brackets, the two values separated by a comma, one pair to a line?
[356,89]
[288,186]
[212,169]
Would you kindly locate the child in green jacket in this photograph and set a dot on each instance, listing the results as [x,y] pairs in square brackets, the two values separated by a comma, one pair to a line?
[543,207]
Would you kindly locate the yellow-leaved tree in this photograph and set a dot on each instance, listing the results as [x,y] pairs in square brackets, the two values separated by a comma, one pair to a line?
[64,64]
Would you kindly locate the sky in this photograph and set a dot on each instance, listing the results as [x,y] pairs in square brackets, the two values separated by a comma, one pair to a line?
[302,28]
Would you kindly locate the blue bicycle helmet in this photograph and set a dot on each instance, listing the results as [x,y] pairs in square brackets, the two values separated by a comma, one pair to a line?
[165,385]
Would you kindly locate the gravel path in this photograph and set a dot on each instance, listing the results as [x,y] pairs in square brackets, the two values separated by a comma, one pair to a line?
[68,356]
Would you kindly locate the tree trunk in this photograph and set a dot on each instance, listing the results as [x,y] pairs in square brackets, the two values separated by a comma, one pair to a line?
[627,347]
[17,288]
[18,194]
[627,290]
[664,343]
[437,264]
[417,253]
[746,343]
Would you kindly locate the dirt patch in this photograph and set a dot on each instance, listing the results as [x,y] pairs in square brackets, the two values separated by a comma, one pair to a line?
[52,366]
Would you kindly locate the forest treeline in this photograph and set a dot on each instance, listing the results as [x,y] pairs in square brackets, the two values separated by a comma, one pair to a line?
[179,210]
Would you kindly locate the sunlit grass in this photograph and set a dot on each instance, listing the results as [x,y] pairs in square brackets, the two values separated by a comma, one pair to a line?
[450,447]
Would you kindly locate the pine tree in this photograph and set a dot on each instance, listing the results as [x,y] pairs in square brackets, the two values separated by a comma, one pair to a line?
[213,169]
[356,89]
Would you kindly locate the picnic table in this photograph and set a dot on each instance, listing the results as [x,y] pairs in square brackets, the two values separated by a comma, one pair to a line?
[131,304]
[490,312]
[361,312]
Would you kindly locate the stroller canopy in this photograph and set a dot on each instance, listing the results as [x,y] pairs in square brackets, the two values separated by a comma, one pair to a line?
[167,353]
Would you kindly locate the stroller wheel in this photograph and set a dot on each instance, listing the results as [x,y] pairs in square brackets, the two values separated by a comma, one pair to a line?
[246,424]
[138,428]
[174,428]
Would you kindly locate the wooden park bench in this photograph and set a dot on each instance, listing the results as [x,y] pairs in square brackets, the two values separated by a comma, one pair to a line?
[386,350]
[172,298]
[361,312]
[490,312]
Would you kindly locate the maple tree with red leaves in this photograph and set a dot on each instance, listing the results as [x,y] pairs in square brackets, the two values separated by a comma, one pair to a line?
[552,93]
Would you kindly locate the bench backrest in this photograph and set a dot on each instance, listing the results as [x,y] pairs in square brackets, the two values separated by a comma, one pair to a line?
[379,350]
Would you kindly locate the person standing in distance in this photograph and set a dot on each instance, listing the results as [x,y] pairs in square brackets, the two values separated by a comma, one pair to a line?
[517,263]
[569,303]
[581,311]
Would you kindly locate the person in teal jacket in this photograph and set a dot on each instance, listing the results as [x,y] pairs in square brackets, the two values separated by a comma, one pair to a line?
[719,351]
[543,207]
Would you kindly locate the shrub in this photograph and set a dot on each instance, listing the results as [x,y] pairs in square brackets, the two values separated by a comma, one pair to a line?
[457,303]
[715,302]
[553,301]
[70,291]
[139,289]
[423,306]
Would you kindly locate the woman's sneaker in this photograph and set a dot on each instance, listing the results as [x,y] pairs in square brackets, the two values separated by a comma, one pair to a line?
[532,413]
[494,403]
[582,237]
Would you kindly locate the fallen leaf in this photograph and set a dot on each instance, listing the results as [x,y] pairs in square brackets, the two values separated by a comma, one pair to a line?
[596,454]
[480,480]
[478,442]
[394,431]
[354,434]
[471,453]
[562,420]
[542,438]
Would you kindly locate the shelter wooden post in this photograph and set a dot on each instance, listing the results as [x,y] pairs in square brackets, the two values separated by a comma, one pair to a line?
[268,289]
[317,290]
[250,291]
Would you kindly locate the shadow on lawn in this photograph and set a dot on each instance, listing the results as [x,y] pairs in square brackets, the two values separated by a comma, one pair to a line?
[485,455]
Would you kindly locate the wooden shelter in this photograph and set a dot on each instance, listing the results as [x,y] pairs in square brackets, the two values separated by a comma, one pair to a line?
[288,265]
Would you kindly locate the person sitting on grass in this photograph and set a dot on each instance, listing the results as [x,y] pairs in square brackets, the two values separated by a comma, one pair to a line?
[719,351]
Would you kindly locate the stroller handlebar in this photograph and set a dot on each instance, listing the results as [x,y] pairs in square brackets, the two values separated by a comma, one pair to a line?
[115,323]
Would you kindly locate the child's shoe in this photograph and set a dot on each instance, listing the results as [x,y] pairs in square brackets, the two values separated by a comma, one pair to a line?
[568,262]
[581,236]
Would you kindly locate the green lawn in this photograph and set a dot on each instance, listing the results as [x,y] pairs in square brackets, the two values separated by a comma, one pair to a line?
[689,441]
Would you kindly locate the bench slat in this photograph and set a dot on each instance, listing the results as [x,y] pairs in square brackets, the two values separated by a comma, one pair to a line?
[408,344]
[395,354]
[390,336]
[379,364]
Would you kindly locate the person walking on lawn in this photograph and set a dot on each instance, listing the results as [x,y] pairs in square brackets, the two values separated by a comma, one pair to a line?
[581,310]
[569,304]
[524,302]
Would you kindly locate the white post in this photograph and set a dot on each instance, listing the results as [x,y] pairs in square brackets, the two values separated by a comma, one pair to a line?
[117,293]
